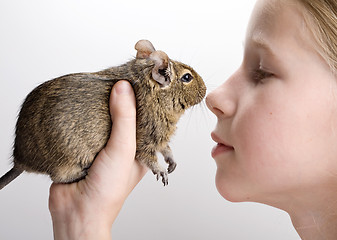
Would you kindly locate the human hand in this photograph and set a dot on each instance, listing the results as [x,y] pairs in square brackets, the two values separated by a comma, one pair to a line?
[88,208]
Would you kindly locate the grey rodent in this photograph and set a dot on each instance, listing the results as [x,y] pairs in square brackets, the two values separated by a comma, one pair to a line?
[65,122]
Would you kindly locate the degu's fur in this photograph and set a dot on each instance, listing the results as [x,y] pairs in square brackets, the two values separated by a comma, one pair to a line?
[65,122]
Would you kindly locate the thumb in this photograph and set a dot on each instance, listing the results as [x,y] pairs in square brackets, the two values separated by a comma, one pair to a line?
[113,165]
[123,115]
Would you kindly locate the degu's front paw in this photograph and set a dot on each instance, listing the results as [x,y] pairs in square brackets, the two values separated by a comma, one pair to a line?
[161,174]
[172,164]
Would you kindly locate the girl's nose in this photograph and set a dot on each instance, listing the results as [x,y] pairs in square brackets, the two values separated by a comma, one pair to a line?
[223,100]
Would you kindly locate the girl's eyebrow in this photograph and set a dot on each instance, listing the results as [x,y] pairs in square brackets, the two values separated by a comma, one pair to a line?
[259,42]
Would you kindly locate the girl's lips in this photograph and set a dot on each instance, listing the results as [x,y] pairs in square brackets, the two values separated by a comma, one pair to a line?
[220,149]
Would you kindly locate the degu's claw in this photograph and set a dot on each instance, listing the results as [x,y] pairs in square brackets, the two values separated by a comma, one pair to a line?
[161,173]
[164,178]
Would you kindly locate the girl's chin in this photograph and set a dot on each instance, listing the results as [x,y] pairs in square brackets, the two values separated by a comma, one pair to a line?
[231,188]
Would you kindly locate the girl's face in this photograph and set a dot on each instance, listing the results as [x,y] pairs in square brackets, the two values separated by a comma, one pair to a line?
[277,114]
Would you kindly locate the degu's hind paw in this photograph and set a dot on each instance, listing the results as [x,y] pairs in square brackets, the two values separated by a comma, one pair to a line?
[162,175]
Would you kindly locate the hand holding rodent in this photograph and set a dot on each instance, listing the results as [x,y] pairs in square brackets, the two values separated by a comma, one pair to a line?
[98,198]
[65,122]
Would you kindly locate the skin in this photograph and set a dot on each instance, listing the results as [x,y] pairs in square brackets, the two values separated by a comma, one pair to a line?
[276,135]
[276,128]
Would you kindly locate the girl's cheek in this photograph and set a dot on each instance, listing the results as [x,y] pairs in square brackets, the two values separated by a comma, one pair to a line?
[260,137]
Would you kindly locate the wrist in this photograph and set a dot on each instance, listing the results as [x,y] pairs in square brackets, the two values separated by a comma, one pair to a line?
[77,218]
[76,223]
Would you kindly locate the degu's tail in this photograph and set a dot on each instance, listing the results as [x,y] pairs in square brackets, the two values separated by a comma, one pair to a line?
[9,176]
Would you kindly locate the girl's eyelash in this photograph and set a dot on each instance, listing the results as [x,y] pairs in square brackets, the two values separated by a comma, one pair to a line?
[258,75]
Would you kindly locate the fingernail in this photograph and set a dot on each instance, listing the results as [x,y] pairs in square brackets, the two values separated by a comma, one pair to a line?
[123,88]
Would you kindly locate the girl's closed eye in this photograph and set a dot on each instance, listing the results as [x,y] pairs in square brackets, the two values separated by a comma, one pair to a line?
[259,75]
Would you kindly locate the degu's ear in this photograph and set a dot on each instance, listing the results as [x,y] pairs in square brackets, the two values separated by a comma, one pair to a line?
[144,49]
[161,71]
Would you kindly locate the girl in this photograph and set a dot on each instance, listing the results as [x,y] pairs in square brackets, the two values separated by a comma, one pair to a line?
[276,131]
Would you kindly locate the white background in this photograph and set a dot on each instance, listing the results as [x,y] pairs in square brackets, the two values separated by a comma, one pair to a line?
[41,40]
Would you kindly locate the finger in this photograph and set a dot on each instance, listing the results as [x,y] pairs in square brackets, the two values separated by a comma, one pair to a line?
[122,142]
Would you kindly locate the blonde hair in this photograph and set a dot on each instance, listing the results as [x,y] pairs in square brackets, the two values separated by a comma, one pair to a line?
[322,22]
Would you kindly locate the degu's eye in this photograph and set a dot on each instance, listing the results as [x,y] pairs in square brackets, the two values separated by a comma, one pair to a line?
[186,78]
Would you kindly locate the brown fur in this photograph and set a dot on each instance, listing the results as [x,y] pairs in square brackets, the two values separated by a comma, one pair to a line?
[65,122]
